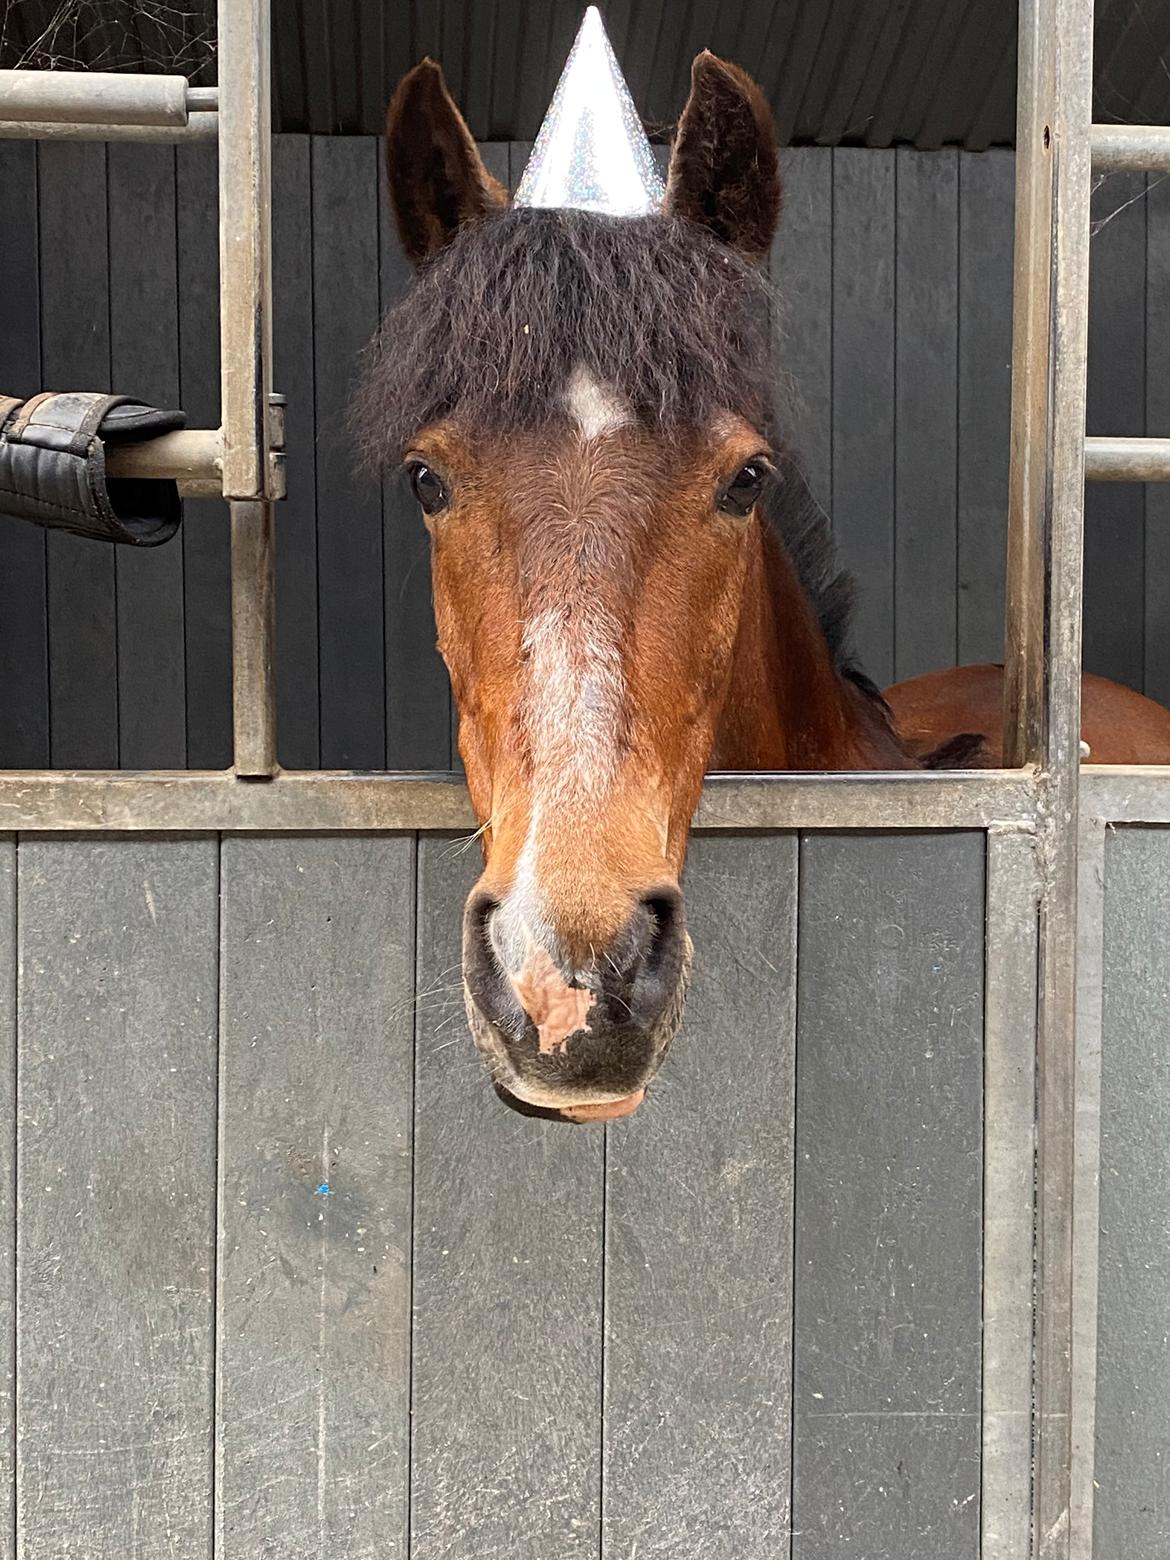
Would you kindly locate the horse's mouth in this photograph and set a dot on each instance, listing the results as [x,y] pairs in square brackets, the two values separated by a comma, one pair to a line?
[580,1113]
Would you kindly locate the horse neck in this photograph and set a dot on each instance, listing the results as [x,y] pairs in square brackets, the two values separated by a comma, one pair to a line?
[788,706]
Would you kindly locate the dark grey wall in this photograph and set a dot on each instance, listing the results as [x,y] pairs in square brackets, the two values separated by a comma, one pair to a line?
[896,267]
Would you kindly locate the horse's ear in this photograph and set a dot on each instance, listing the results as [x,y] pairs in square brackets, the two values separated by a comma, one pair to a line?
[437,178]
[724,171]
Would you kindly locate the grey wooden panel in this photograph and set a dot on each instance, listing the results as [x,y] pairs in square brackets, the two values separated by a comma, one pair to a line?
[315,1190]
[75,355]
[297,696]
[986,191]
[888,1192]
[144,362]
[116,1153]
[1157,520]
[345,175]
[698,1342]
[863,391]
[418,695]
[24,687]
[1115,511]
[801,266]
[1132,1471]
[206,538]
[926,395]
[7,1197]
[507,1284]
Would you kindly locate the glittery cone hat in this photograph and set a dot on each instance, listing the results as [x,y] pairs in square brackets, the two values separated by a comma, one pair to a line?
[592,152]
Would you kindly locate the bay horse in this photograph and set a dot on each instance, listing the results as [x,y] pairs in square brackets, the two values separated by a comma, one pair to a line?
[632,583]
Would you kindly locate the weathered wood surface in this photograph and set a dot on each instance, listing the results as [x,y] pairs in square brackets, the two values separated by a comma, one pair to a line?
[1131,1477]
[115,1130]
[894,270]
[315,1083]
[888,1183]
[257,1151]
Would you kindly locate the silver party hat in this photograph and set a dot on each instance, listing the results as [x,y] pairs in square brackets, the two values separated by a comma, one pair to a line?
[592,152]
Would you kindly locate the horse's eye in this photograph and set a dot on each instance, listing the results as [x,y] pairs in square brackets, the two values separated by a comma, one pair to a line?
[742,493]
[428,488]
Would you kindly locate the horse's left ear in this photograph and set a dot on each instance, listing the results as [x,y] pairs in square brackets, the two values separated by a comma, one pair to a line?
[724,171]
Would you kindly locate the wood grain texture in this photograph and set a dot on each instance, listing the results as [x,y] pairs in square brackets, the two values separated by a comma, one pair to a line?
[698,1342]
[507,1285]
[801,270]
[925,398]
[75,355]
[986,191]
[144,362]
[350,564]
[1157,494]
[8,1197]
[315,1192]
[863,392]
[206,538]
[24,651]
[1114,641]
[116,1166]
[1132,1470]
[298,716]
[888,1197]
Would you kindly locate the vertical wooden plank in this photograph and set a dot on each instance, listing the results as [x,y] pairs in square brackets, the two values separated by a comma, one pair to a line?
[297,710]
[926,394]
[1156,669]
[801,266]
[315,1189]
[698,1280]
[863,391]
[206,541]
[75,355]
[1132,1473]
[144,362]
[24,688]
[507,1286]
[116,1155]
[1115,511]
[349,509]
[888,1150]
[418,695]
[986,190]
[8,1196]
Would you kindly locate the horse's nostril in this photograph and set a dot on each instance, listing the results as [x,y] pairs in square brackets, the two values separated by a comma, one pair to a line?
[487,982]
[656,972]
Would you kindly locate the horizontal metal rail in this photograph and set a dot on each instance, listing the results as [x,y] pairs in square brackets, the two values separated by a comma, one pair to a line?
[1127,460]
[1126,793]
[199,127]
[93,97]
[193,457]
[1134,148]
[341,801]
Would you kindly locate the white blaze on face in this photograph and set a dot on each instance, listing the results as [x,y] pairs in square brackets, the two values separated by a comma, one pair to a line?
[597,409]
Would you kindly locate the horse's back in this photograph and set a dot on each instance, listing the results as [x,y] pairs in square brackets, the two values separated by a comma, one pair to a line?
[1119,725]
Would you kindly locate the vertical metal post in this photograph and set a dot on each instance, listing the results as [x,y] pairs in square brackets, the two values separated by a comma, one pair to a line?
[1042,700]
[249,474]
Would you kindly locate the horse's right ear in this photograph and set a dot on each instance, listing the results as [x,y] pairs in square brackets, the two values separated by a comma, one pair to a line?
[437,178]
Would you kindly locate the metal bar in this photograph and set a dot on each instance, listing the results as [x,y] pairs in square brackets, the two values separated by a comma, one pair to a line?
[245,245]
[194,456]
[93,97]
[1135,148]
[253,634]
[199,127]
[1127,460]
[1009,1105]
[1127,793]
[325,801]
[1090,941]
[1042,708]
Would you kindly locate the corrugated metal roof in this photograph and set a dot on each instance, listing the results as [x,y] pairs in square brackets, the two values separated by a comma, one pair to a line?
[865,72]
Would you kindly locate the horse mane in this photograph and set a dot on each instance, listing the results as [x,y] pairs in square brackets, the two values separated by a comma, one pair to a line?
[676,322]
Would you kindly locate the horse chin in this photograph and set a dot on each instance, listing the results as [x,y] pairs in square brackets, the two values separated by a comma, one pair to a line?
[529,1099]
